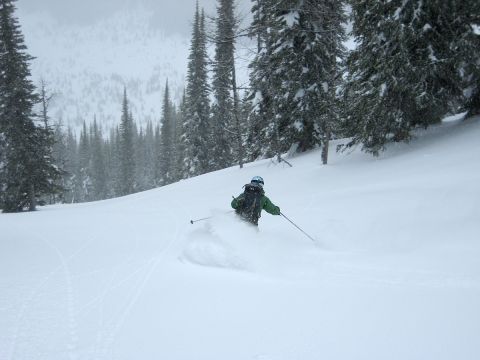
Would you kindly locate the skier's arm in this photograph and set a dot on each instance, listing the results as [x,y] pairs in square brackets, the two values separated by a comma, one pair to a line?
[270,207]
[237,201]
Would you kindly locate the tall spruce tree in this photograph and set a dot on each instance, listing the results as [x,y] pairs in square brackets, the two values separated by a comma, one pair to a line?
[73,191]
[294,74]
[140,161]
[65,154]
[115,162]
[149,156]
[262,136]
[225,108]
[26,169]
[83,178]
[308,50]
[180,137]
[98,171]
[197,139]
[60,156]
[157,166]
[49,171]
[127,156]
[461,20]
[167,133]
[407,69]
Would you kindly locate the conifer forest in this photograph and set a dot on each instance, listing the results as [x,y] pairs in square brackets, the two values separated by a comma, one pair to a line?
[414,62]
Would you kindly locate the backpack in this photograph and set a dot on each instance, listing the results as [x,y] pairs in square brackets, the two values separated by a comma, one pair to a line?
[250,208]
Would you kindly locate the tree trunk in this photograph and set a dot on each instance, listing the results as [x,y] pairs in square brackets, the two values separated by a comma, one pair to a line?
[237,117]
[326,143]
[32,199]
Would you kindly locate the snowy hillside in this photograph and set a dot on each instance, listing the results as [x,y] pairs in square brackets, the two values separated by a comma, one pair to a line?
[394,273]
[87,66]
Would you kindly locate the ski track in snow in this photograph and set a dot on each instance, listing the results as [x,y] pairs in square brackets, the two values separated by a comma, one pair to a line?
[29,300]
[107,329]
[107,341]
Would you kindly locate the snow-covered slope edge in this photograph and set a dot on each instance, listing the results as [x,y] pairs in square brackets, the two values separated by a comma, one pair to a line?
[395,273]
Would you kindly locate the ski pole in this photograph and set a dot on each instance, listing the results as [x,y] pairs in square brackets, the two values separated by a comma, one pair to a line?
[298,228]
[206,218]
[194,221]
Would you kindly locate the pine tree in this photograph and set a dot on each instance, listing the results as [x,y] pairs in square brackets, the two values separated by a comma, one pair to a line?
[60,156]
[127,163]
[462,21]
[26,169]
[262,137]
[407,69]
[294,73]
[83,178]
[49,171]
[98,171]
[225,109]
[321,78]
[197,128]
[70,164]
[166,142]
[114,163]
[140,160]
[149,142]
[157,166]
[180,137]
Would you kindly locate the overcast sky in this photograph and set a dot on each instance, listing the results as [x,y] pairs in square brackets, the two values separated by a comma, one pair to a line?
[171,15]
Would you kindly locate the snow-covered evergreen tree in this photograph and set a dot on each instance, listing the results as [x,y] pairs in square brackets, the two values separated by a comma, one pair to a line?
[26,167]
[140,158]
[262,136]
[167,134]
[308,48]
[294,74]
[60,156]
[127,156]
[408,67]
[50,172]
[83,178]
[65,151]
[461,20]
[179,142]
[157,165]
[114,163]
[149,157]
[98,171]
[197,140]
[223,109]
[145,158]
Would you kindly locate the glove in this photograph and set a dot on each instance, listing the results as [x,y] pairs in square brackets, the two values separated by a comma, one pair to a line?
[277,211]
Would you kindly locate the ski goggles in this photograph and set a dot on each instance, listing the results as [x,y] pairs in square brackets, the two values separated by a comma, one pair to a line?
[257,182]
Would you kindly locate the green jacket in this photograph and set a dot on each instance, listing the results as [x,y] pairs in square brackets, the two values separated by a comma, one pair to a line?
[265,204]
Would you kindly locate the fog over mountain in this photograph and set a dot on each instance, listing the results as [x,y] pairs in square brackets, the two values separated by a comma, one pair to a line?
[87,51]
[170,16]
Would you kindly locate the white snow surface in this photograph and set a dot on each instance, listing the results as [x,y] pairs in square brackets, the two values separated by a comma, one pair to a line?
[394,273]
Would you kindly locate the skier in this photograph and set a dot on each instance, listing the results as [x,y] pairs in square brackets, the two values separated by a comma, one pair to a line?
[249,205]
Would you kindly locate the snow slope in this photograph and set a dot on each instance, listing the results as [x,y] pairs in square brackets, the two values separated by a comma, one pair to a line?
[394,273]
